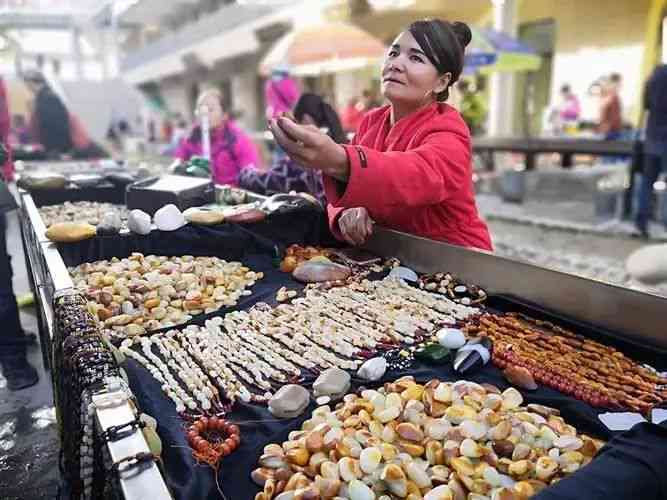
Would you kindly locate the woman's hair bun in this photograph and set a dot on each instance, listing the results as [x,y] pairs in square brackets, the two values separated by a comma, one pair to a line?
[462,32]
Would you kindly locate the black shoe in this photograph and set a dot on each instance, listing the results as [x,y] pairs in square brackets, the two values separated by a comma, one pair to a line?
[19,373]
[641,232]
[30,338]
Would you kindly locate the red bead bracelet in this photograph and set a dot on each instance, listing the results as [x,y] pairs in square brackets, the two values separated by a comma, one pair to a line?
[212,452]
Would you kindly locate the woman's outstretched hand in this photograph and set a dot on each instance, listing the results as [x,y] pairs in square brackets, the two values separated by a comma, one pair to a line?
[355,225]
[311,148]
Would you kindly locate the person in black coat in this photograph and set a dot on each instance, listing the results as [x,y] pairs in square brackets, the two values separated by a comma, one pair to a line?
[13,342]
[50,119]
[655,146]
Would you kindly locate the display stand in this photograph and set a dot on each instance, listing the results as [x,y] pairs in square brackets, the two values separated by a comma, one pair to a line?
[632,318]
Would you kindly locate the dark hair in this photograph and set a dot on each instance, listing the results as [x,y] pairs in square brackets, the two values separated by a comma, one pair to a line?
[34,76]
[615,77]
[323,114]
[565,89]
[444,45]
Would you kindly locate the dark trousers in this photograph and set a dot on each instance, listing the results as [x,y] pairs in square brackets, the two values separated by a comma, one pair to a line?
[653,166]
[12,340]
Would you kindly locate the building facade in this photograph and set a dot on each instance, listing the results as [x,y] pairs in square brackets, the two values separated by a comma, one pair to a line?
[179,48]
[580,42]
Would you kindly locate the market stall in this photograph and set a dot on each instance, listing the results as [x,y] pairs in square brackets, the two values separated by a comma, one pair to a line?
[266,357]
[55,182]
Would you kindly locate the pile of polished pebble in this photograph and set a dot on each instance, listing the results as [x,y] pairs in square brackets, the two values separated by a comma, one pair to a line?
[438,441]
[456,290]
[137,294]
[88,212]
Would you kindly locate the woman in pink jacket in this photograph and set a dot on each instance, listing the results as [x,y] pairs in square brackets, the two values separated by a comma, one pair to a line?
[231,149]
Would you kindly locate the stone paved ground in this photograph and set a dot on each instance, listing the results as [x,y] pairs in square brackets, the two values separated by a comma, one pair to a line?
[29,445]
[566,237]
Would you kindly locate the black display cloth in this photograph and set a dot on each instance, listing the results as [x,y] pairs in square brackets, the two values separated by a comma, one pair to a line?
[632,460]
[628,467]
[228,240]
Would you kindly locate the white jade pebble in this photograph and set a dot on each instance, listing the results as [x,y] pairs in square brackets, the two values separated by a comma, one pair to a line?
[451,338]
[373,369]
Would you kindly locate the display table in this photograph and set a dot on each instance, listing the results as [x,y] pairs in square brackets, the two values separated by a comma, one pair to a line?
[628,467]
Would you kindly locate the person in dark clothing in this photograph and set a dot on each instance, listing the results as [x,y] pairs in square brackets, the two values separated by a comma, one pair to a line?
[15,367]
[655,146]
[13,341]
[50,121]
[284,174]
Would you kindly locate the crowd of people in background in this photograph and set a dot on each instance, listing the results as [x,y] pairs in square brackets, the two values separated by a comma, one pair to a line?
[51,130]
[654,145]
[604,118]
[236,160]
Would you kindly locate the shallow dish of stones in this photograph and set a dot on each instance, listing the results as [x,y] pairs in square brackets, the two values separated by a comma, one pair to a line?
[440,440]
[137,294]
[89,212]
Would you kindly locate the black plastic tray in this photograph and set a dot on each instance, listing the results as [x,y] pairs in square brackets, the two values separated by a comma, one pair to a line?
[142,196]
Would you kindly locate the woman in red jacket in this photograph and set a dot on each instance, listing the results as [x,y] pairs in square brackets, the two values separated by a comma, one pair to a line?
[409,165]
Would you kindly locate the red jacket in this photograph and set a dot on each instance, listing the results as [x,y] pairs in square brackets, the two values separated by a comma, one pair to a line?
[414,177]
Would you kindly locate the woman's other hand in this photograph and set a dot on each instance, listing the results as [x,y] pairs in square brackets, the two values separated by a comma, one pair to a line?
[311,148]
[355,225]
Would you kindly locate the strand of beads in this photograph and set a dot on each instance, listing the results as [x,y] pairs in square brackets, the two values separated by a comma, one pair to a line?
[331,340]
[169,385]
[390,310]
[343,313]
[254,370]
[382,323]
[230,363]
[215,369]
[146,347]
[296,338]
[343,339]
[274,339]
[179,361]
[182,341]
[86,450]
[264,359]
[273,351]
[230,378]
[432,301]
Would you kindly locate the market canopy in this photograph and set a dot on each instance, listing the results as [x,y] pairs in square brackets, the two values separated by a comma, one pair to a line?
[492,51]
[323,48]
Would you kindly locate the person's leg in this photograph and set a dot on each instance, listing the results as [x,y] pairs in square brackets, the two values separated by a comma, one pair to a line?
[652,168]
[663,215]
[15,367]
